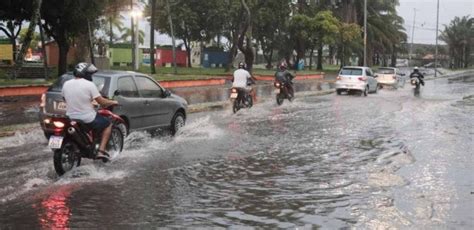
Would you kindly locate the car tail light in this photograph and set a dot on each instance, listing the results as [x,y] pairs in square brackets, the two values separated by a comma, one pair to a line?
[58,124]
[338,78]
[362,78]
[43,100]
[394,77]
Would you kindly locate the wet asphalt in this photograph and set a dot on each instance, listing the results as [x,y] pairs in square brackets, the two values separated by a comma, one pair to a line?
[389,160]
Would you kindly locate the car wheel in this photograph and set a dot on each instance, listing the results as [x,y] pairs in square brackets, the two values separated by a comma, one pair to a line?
[177,122]
[338,91]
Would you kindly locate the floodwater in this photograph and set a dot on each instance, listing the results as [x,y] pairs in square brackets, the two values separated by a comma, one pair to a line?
[19,110]
[389,160]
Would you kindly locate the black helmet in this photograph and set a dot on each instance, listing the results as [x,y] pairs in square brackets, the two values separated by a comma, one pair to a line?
[85,70]
[241,65]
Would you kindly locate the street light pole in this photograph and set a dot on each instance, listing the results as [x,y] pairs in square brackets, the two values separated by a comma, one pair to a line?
[412,36]
[137,60]
[132,34]
[365,32]
[436,49]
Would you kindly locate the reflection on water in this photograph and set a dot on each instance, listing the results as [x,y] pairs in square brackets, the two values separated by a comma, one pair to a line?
[54,212]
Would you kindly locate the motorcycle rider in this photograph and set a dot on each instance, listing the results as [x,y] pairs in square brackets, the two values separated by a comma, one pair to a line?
[416,73]
[242,80]
[284,76]
[79,94]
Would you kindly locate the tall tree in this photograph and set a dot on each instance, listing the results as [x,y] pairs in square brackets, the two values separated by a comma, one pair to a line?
[65,19]
[459,35]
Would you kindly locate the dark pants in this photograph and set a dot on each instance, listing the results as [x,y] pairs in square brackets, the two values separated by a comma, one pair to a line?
[99,124]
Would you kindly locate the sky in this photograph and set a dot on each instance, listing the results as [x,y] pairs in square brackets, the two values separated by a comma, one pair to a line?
[425,21]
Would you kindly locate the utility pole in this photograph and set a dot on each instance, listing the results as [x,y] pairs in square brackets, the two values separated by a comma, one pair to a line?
[412,36]
[365,32]
[173,40]
[133,34]
[436,50]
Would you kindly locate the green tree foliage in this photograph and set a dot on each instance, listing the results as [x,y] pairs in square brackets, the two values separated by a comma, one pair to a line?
[67,19]
[193,20]
[12,14]
[459,35]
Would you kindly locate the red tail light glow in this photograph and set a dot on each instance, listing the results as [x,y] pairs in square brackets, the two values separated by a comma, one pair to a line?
[234,90]
[362,78]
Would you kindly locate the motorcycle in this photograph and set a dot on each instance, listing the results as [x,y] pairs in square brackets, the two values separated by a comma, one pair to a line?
[283,92]
[241,99]
[74,140]
[416,82]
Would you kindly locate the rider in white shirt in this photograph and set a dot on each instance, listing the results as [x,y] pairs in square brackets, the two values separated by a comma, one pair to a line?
[242,79]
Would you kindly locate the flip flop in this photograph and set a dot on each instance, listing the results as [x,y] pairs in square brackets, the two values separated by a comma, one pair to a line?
[103,155]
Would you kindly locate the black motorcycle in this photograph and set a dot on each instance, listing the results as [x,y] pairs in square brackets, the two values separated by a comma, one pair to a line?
[283,91]
[73,140]
[241,99]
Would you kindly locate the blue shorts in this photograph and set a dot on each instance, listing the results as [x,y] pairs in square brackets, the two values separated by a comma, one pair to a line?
[99,123]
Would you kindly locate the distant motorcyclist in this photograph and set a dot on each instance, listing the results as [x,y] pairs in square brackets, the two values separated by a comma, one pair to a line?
[284,76]
[242,79]
[416,73]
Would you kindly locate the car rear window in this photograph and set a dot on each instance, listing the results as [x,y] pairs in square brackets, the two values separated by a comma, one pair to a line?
[101,82]
[351,71]
[386,71]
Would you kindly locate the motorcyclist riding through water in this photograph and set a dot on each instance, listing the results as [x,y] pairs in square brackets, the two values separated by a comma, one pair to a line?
[284,76]
[416,73]
[79,94]
[242,79]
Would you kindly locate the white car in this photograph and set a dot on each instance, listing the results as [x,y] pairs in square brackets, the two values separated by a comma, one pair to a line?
[356,78]
[387,76]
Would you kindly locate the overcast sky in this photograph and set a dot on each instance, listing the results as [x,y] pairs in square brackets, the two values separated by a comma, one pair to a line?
[425,22]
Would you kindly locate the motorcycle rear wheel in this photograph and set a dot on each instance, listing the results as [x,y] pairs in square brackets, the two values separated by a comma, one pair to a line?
[279,99]
[66,158]
[236,106]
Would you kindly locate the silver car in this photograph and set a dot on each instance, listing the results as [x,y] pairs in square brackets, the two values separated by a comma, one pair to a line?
[356,78]
[387,76]
[143,103]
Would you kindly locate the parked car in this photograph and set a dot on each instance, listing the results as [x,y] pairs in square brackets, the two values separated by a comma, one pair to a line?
[387,76]
[356,78]
[143,103]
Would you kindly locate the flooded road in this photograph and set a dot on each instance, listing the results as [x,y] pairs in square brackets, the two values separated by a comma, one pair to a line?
[389,160]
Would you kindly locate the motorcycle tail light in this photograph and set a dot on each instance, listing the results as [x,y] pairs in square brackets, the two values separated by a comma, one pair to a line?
[362,78]
[58,124]
[43,100]
[47,121]
[277,84]
[234,90]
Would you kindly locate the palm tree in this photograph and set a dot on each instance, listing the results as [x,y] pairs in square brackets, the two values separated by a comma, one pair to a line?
[128,33]
[459,37]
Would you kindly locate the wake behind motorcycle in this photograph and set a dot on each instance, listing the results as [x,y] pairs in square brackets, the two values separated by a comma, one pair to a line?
[241,99]
[74,140]
[283,92]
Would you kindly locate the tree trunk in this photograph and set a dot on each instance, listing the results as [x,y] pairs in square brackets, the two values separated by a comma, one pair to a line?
[247,50]
[188,51]
[320,57]
[111,33]
[29,36]
[152,37]
[311,58]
